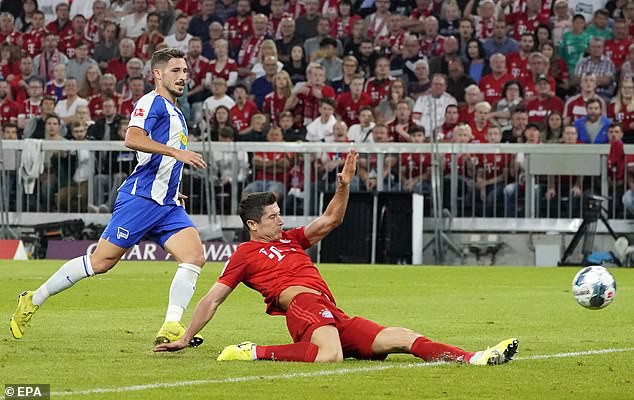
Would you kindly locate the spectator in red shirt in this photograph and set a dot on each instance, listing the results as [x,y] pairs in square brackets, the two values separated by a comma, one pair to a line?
[270,168]
[491,84]
[62,26]
[342,24]
[117,66]
[275,101]
[31,107]
[526,21]
[304,99]
[492,172]
[538,66]
[70,42]
[250,46]
[349,103]
[517,62]
[19,82]
[415,168]
[480,125]
[539,107]
[243,110]
[557,69]
[378,86]
[400,127]
[621,109]
[617,47]
[575,106]
[238,27]
[32,40]
[9,110]
[151,36]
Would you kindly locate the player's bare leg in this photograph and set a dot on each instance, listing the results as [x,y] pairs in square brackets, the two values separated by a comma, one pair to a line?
[403,340]
[187,249]
[327,340]
[105,257]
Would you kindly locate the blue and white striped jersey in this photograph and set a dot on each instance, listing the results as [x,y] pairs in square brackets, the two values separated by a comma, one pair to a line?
[157,176]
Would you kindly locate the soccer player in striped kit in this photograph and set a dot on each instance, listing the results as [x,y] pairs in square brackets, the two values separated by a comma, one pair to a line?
[148,203]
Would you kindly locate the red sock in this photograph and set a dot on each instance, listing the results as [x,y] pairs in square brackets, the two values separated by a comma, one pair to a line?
[301,351]
[433,351]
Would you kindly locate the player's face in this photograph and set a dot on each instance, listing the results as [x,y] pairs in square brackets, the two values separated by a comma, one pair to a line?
[173,76]
[269,227]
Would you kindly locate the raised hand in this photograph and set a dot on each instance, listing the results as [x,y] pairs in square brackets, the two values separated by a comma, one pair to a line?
[349,168]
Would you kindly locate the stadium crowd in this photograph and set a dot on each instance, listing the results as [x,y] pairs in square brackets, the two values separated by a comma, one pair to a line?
[521,71]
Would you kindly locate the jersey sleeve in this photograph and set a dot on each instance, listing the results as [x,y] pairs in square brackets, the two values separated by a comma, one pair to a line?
[144,115]
[298,235]
[233,272]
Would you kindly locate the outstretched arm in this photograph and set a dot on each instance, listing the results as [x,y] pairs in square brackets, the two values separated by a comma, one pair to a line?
[137,139]
[205,310]
[333,216]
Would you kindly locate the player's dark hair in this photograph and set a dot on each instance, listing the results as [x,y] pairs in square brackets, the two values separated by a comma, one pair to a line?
[252,205]
[164,55]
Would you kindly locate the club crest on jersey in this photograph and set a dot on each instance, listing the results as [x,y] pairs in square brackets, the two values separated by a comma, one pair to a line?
[183,138]
[325,313]
[122,233]
[139,112]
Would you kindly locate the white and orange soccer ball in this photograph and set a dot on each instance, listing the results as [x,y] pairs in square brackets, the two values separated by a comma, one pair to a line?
[594,287]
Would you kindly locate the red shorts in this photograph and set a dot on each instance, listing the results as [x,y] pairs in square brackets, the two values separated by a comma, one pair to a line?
[309,311]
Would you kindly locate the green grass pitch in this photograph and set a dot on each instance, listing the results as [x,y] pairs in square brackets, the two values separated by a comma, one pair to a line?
[94,341]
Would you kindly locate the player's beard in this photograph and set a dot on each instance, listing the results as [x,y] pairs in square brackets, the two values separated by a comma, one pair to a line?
[174,91]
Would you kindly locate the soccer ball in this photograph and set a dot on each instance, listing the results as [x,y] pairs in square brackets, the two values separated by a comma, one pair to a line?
[594,287]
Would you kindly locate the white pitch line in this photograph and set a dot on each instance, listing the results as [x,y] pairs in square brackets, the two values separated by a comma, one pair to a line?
[340,371]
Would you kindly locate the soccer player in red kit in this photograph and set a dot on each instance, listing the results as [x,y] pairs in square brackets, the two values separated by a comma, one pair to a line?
[275,264]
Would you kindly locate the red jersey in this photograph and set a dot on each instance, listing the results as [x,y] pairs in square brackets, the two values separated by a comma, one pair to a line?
[236,29]
[145,43]
[30,109]
[197,69]
[308,105]
[342,27]
[394,135]
[14,38]
[349,109]
[522,23]
[61,31]
[623,117]
[415,164]
[127,107]
[68,45]
[248,54]
[32,41]
[529,85]
[269,268]
[276,174]
[616,50]
[378,89]
[9,111]
[188,7]
[461,163]
[492,87]
[241,117]
[464,115]
[116,66]
[538,109]
[295,8]
[479,135]
[92,30]
[230,66]
[95,104]
[274,106]
[433,47]
[617,160]
[575,107]
[517,65]
[493,164]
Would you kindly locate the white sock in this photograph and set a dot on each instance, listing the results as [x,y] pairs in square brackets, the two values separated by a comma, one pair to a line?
[181,291]
[69,274]
[476,357]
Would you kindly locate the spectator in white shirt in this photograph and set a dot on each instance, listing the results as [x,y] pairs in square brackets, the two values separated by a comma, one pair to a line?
[320,130]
